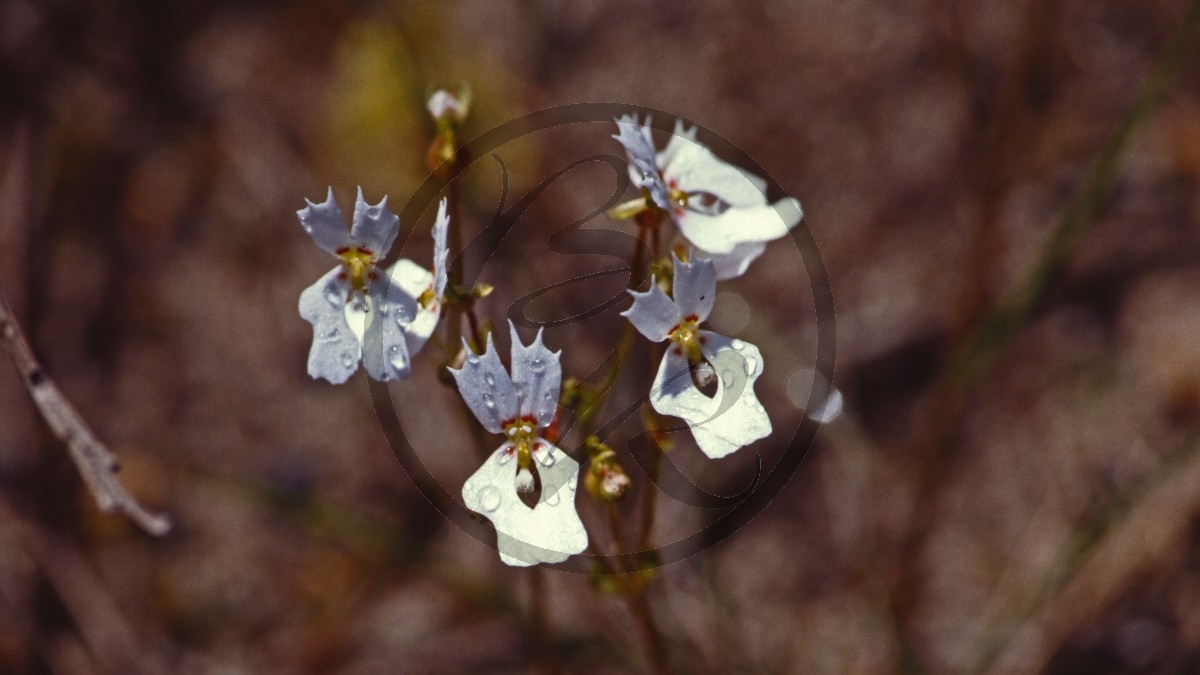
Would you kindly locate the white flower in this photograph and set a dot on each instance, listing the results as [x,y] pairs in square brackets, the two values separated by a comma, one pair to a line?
[501,490]
[358,314]
[718,207]
[699,359]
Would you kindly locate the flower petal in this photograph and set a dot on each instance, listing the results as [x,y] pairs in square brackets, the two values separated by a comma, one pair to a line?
[418,322]
[733,417]
[386,353]
[537,374]
[374,226]
[487,388]
[441,228]
[719,233]
[679,139]
[640,149]
[324,223]
[694,287]
[335,349]
[695,168]
[552,531]
[735,263]
[653,313]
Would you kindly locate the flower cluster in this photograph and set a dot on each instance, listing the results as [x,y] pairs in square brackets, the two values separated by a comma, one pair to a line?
[527,487]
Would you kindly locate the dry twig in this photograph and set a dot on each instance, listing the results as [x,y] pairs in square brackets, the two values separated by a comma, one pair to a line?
[96,464]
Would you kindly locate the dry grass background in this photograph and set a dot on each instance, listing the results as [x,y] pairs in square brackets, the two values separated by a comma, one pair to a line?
[152,156]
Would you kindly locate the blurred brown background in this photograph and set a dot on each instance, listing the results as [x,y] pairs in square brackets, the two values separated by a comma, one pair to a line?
[1041,517]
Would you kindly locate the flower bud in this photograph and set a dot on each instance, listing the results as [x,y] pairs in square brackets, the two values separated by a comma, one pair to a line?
[606,480]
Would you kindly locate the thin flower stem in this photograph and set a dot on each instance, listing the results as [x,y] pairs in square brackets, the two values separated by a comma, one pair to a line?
[543,645]
[95,463]
[650,496]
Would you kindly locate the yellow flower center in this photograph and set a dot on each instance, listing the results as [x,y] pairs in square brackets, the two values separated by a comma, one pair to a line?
[359,266]
[687,339]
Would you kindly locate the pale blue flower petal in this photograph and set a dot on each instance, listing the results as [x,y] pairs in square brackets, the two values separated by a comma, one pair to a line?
[640,149]
[324,223]
[441,228]
[653,313]
[733,417]
[335,349]
[418,322]
[720,233]
[386,352]
[487,388]
[735,263]
[550,532]
[695,287]
[695,169]
[375,228]
[537,374]
[678,140]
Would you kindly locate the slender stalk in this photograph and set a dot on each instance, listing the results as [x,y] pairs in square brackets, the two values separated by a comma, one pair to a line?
[543,645]
[96,464]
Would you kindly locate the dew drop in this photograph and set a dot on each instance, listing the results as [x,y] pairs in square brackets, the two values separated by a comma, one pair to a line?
[491,381]
[751,366]
[538,364]
[504,457]
[573,481]
[489,401]
[417,274]
[473,360]
[333,298]
[489,498]
[397,357]
[346,360]
[545,458]
[727,377]
[553,500]
[738,345]
[331,334]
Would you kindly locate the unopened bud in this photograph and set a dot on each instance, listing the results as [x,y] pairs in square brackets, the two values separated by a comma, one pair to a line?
[606,480]
[447,107]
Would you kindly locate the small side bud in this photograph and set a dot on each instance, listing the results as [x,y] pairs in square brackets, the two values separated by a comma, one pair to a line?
[606,480]
[448,107]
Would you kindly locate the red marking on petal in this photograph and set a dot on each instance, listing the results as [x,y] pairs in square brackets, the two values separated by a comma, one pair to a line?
[372,276]
[678,213]
[692,317]
[343,276]
[678,351]
[364,251]
[343,250]
[703,340]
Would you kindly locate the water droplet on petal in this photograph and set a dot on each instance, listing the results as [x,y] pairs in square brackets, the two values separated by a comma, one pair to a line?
[417,274]
[333,297]
[473,360]
[727,377]
[538,364]
[490,380]
[545,457]
[573,481]
[397,357]
[504,457]
[751,366]
[489,498]
[489,401]
[332,333]
[738,345]
[553,500]
[347,360]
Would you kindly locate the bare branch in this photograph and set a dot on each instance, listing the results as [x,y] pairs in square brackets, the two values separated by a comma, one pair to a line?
[96,464]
